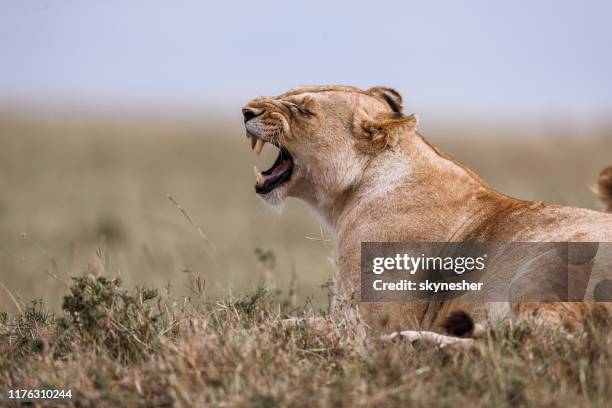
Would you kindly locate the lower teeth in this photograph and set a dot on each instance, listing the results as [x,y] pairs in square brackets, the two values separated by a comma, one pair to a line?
[259,177]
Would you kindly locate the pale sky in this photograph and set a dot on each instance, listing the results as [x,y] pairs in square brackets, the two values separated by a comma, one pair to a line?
[480,57]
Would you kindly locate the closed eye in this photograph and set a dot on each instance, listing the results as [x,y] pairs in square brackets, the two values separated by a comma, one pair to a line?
[298,109]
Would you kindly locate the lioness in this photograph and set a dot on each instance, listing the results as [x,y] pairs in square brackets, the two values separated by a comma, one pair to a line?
[360,162]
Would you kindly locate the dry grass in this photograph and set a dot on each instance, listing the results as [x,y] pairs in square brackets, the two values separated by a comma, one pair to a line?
[88,198]
[118,348]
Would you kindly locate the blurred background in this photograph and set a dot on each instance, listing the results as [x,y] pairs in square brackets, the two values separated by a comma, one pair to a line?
[108,107]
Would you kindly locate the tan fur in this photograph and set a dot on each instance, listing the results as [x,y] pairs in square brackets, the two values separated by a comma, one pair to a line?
[372,177]
[604,187]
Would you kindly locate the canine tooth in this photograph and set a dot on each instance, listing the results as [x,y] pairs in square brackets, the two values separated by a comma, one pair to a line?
[259,145]
[253,139]
[259,176]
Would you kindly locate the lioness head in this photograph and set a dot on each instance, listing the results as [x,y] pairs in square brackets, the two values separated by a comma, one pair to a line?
[325,136]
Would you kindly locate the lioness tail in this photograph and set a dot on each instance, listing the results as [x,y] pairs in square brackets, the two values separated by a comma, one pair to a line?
[604,187]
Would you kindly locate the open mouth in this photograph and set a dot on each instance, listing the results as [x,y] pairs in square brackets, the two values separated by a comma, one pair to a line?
[276,175]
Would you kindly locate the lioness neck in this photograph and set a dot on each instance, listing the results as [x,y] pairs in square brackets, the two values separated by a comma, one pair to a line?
[412,192]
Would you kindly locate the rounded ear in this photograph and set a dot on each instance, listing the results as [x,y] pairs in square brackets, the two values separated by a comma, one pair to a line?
[385,131]
[389,95]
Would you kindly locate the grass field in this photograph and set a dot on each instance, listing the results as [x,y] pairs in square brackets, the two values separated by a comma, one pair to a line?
[113,347]
[88,196]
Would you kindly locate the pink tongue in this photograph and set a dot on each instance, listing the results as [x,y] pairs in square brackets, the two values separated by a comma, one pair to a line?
[280,169]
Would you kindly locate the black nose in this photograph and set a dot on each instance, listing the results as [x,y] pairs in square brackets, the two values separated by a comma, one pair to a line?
[250,113]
